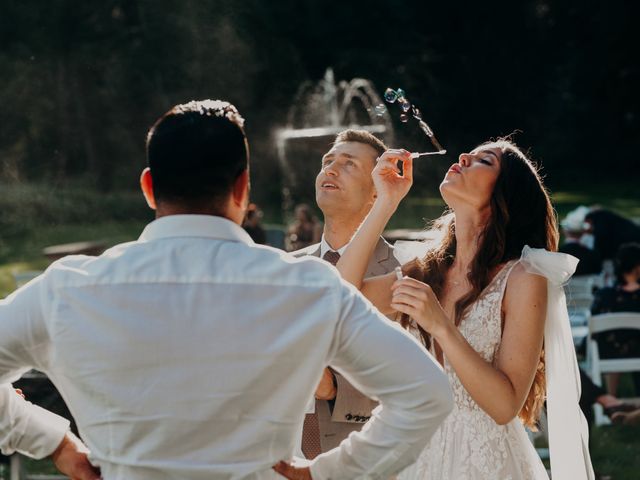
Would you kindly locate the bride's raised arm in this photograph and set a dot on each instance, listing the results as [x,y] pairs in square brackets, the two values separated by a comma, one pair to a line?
[391,188]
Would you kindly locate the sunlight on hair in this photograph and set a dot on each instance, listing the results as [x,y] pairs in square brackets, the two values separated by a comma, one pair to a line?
[217,108]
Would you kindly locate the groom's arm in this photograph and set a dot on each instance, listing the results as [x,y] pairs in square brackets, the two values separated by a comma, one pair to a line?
[27,428]
[385,363]
[24,427]
[24,344]
[33,431]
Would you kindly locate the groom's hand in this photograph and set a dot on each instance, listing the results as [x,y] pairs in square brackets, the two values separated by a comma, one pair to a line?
[291,472]
[70,458]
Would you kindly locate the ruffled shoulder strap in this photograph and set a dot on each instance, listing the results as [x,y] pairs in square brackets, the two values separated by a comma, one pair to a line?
[502,277]
[556,267]
[567,428]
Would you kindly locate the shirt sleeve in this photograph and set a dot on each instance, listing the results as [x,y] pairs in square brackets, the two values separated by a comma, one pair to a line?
[385,363]
[25,427]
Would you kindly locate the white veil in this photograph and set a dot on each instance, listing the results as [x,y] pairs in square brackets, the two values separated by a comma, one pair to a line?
[567,427]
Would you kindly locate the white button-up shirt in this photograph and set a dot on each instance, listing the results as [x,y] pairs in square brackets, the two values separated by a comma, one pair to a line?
[27,428]
[192,352]
[325,247]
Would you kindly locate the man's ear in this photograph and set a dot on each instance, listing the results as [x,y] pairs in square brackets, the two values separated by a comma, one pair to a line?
[146,184]
[240,192]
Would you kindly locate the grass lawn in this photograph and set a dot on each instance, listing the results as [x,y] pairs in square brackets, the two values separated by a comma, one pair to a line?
[27,250]
[614,451]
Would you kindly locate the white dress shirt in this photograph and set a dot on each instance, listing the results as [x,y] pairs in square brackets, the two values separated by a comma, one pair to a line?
[325,247]
[192,352]
[27,428]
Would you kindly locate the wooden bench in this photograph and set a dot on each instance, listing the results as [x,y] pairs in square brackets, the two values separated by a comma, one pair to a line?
[55,252]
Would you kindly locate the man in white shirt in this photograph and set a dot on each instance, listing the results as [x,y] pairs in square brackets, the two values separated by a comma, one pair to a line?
[345,193]
[192,352]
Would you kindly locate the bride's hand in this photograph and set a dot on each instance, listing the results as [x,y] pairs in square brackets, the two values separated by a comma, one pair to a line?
[391,187]
[417,300]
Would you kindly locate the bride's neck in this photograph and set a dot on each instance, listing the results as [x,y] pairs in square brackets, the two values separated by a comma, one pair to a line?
[469,226]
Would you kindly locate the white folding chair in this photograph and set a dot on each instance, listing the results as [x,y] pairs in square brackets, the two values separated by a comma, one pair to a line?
[582,284]
[596,366]
[579,299]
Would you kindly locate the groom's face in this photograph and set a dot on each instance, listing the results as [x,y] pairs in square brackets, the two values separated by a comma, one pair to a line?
[344,184]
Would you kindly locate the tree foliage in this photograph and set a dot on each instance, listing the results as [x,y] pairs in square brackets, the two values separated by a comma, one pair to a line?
[83,80]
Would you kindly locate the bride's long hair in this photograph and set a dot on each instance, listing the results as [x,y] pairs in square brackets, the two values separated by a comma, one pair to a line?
[521,214]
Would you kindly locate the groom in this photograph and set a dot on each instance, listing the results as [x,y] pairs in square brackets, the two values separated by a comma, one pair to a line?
[192,352]
[345,193]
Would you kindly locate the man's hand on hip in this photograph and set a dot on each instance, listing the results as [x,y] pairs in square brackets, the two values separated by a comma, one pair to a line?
[71,458]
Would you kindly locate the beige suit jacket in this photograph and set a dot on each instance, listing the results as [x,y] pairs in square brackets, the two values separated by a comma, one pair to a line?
[351,408]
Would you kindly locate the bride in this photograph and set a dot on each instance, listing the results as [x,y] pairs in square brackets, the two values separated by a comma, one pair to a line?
[486,299]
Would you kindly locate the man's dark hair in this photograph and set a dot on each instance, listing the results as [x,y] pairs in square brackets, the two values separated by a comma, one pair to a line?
[627,258]
[361,136]
[195,152]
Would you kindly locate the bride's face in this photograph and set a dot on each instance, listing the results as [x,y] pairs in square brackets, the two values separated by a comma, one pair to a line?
[471,181]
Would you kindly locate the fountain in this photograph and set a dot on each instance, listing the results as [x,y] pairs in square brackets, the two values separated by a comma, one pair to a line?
[319,112]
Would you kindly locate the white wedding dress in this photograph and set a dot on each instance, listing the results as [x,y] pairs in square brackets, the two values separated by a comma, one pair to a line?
[470,445]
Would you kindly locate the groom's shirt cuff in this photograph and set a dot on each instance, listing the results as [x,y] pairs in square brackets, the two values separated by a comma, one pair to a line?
[27,428]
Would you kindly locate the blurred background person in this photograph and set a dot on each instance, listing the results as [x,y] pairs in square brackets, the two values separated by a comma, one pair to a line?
[573,229]
[624,296]
[627,418]
[305,230]
[610,231]
[253,224]
[592,394]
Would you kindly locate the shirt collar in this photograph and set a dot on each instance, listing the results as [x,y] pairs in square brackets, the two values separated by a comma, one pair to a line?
[194,226]
[325,247]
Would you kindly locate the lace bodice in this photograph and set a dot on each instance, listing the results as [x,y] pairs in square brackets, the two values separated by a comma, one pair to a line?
[481,326]
[470,445]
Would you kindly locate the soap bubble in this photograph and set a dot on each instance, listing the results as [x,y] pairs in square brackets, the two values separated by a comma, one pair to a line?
[380,109]
[405,105]
[390,95]
[400,92]
[404,118]
[417,114]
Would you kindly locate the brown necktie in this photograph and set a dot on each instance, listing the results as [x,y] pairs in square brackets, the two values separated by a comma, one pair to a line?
[311,436]
[311,429]
[331,257]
